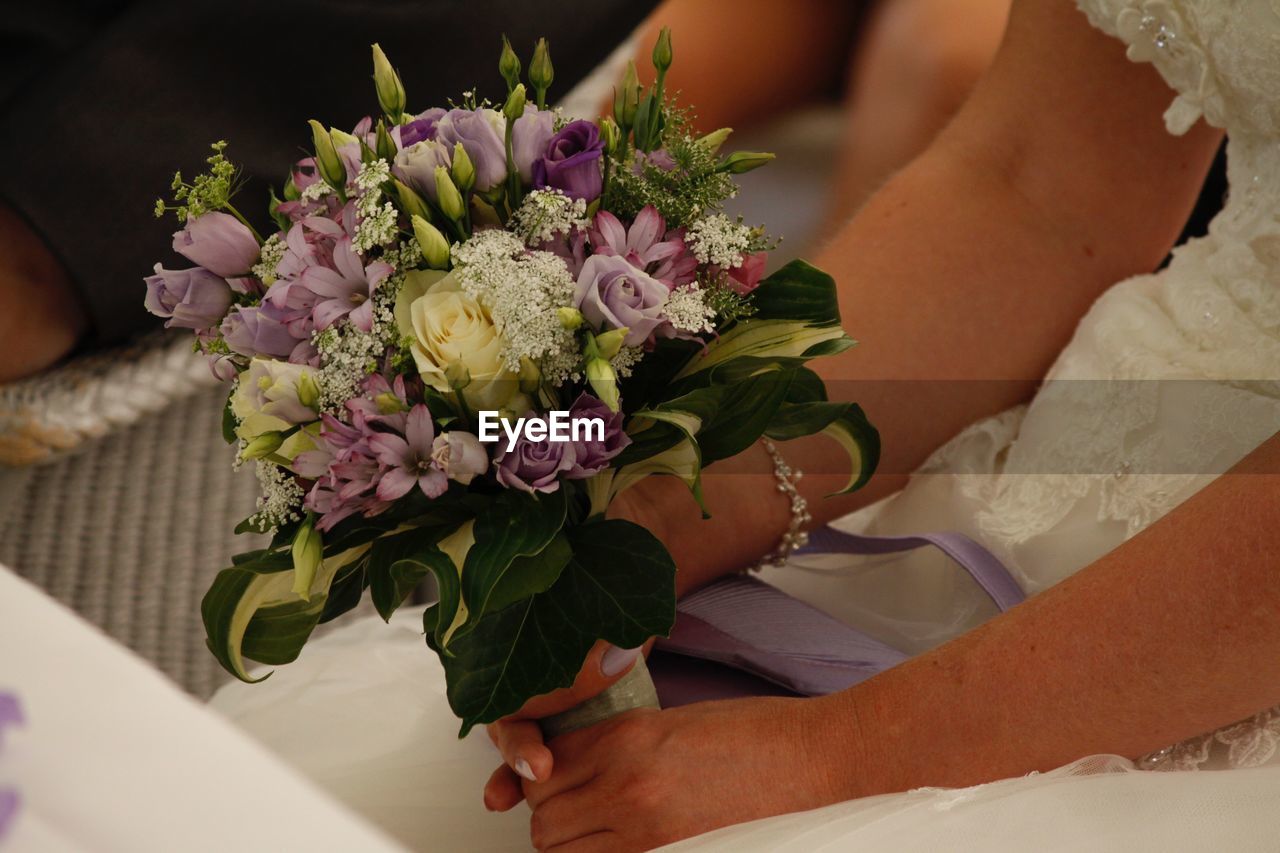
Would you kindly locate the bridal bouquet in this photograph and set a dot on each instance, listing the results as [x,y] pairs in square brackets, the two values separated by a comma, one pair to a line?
[472,329]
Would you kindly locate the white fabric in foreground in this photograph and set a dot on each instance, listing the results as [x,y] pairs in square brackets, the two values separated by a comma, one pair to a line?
[113,757]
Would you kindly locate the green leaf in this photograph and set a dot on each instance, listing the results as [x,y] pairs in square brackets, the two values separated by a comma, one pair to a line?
[531,575]
[619,587]
[399,562]
[799,291]
[513,524]
[229,423]
[844,422]
[251,610]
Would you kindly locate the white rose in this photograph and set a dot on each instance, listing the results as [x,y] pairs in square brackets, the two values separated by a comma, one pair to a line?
[450,329]
[273,396]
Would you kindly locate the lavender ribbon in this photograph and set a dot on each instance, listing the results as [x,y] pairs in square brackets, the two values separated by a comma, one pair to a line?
[769,643]
[10,714]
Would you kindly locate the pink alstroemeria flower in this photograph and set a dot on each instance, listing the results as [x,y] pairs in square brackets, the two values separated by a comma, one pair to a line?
[347,289]
[646,245]
[409,460]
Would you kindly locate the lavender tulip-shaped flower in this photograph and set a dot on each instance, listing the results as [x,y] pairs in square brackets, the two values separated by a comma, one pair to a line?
[416,165]
[572,163]
[409,460]
[346,290]
[530,136]
[260,331]
[218,242]
[646,245]
[482,134]
[189,299]
[535,466]
[592,455]
[612,294]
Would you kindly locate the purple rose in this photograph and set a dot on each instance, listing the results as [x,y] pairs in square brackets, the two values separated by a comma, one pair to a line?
[590,456]
[612,294]
[190,299]
[218,242]
[482,134]
[534,466]
[416,165]
[422,127]
[572,162]
[260,331]
[530,136]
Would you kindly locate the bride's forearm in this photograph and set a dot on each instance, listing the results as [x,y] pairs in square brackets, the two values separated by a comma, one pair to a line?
[1171,635]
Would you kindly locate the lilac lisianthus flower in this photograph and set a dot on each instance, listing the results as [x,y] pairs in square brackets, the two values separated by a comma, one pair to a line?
[482,133]
[416,165]
[188,299]
[612,294]
[346,289]
[262,330]
[423,126]
[409,459]
[530,136]
[534,466]
[647,245]
[572,162]
[218,242]
[591,456]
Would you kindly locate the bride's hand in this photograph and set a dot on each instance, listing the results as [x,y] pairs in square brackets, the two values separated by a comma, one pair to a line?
[519,739]
[647,778]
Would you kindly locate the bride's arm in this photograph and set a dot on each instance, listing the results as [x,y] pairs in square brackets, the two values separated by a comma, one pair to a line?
[969,270]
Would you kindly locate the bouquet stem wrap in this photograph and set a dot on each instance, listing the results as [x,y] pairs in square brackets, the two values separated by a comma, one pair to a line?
[634,690]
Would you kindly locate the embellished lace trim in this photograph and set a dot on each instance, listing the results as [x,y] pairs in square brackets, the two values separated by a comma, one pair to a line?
[1248,743]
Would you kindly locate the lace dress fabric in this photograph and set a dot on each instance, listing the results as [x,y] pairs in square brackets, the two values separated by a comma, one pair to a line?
[1170,379]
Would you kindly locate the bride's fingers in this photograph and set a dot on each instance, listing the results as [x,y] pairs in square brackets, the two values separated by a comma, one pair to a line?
[568,817]
[502,792]
[520,742]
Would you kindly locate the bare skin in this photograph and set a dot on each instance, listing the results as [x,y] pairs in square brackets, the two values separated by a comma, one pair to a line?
[1055,180]
[40,318]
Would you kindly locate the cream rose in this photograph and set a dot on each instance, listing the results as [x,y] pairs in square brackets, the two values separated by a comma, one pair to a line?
[449,328]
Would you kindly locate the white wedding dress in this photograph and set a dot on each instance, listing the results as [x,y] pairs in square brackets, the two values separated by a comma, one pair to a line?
[1170,379]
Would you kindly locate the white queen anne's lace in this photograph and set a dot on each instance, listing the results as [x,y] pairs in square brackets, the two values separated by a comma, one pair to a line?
[717,239]
[545,213]
[522,290]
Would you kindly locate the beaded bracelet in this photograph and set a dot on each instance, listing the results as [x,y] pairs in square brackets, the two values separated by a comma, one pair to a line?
[795,537]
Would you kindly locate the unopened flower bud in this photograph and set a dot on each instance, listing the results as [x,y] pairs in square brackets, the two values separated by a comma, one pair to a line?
[608,344]
[713,140]
[457,375]
[448,197]
[610,134]
[463,170]
[509,65]
[388,403]
[604,381]
[530,377]
[662,50]
[386,146]
[327,159]
[390,90]
[541,72]
[744,161]
[308,555]
[263,445]
[308,391]
[410,202]
[626,98]
[435,248]
[341,138]
[570,318]
[514,107]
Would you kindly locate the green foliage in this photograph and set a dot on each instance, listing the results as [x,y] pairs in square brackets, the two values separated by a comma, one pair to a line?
[209,191]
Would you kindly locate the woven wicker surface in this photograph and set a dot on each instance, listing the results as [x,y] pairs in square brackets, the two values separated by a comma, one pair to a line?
[130,531]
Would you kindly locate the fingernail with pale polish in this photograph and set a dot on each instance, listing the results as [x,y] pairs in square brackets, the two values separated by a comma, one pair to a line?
[523,768]
[615,660]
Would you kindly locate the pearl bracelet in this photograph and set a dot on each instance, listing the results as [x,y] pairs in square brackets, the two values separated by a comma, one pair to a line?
[795,537]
